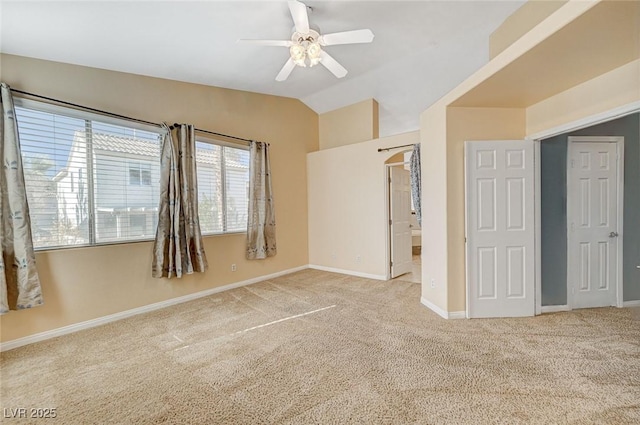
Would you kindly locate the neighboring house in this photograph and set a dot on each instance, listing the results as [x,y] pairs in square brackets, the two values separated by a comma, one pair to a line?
[126,178]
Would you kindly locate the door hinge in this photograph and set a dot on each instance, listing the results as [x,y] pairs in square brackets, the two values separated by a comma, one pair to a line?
[390,263]
[390,222]
[573,163]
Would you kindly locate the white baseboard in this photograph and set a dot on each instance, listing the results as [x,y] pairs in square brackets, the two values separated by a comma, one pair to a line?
[557,308]
[9,345]
[553,308]
[457,315]
[442,313]
[348,272]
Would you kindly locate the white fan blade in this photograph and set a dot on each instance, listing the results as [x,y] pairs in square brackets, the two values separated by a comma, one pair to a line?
[332,65]
[286,70]
[299,15]
[347,37]
[277,43]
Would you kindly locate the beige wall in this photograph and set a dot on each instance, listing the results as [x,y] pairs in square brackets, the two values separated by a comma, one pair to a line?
[433,139]
[352,124]
[469,124]
[347,206]
[598,40]
[87,283]
[520,22]
[608,91]
[399,157]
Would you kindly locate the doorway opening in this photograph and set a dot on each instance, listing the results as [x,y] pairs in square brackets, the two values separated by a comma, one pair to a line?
[589,188]
[403,230]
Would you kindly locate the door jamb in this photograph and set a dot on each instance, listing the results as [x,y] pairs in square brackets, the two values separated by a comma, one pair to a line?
[467,277]
[619,141]
[537,179]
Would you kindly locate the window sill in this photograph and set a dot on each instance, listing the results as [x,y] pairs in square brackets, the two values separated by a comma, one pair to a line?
[104,244]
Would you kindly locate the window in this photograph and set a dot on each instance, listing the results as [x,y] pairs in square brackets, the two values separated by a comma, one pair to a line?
[90,179]
[139,174]
[223,187]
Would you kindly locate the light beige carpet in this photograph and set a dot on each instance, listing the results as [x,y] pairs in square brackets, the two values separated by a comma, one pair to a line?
[355,351]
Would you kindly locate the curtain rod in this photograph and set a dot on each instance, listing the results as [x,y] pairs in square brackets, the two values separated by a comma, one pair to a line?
[395,147]
[214,133]
[120,116]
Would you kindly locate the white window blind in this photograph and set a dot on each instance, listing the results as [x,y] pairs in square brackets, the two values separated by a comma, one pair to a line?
[223,187]
[88,181]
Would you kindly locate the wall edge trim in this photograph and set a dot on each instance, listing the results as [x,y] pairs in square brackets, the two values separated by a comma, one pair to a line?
[92,323]
[348,272]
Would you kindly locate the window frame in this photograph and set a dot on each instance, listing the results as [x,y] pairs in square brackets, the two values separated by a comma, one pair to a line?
[39,106]
[217,142]
[70,112]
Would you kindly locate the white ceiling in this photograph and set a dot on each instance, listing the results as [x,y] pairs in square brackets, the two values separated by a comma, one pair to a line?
[421,50]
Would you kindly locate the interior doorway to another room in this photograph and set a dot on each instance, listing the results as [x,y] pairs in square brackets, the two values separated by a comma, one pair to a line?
[404,232]
[589,205]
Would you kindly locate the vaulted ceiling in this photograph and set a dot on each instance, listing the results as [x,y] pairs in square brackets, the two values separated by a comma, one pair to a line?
[421,50]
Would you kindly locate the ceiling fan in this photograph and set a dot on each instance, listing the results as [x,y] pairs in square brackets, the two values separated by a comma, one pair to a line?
[306,44]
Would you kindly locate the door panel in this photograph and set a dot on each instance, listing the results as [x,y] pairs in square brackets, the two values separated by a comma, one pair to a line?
[500,229]
[486,204]
[487,277]
[515,272]
[400,215]
[515,203]
[592,216]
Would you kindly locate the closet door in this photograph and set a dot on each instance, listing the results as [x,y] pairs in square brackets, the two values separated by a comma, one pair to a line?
[500,236]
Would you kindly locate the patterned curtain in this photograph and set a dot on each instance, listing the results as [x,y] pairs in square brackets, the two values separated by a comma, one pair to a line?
[178,248]
[19,282]
[416,182]
[261,226]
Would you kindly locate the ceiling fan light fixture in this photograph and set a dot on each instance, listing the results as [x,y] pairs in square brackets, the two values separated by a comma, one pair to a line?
[298,54]
[313,53]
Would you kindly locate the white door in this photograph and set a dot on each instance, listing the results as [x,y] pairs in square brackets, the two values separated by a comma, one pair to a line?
[400,220]
[592,216]
[500,228]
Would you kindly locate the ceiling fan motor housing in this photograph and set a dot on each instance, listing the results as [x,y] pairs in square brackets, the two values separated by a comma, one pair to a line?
[306,48]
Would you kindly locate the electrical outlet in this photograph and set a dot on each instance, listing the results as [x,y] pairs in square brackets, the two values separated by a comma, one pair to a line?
[433,283]
[358,258]
[333,255]
[233,268]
